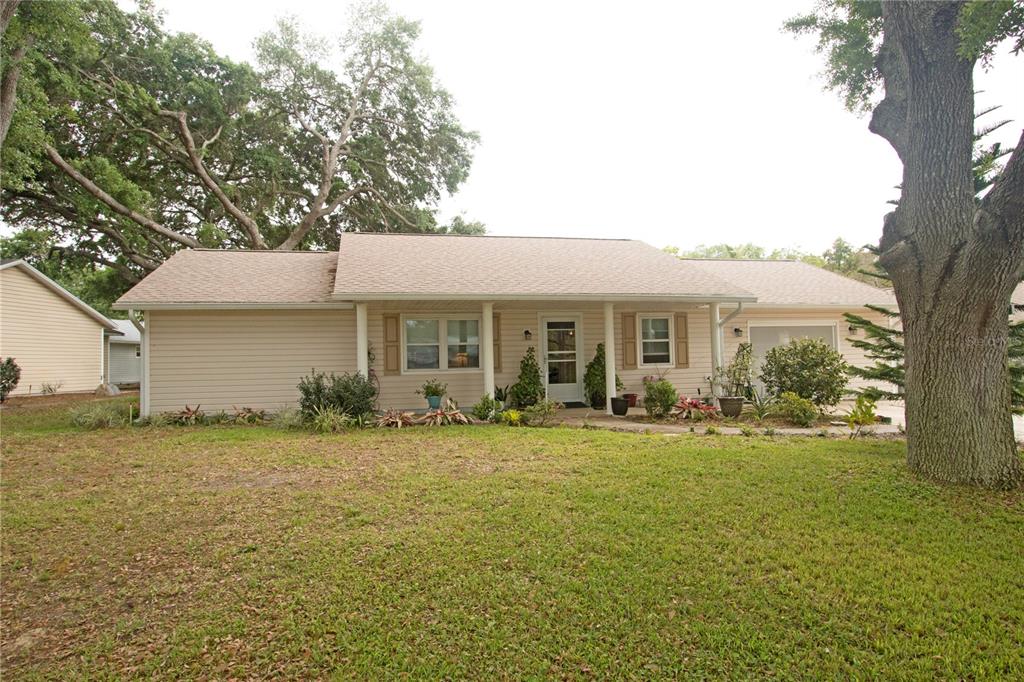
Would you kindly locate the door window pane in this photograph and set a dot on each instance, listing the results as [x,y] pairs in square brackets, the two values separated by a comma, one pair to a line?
[562,371]
[561,337]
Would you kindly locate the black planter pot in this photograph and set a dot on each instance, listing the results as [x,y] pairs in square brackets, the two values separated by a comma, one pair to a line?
[597,402]
[731,406]
[620,406]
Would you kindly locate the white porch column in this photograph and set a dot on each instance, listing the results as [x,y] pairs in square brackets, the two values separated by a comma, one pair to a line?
[716,342]
[487,347]
[362,341]
[609,355]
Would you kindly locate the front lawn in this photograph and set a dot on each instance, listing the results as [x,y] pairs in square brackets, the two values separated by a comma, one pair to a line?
[490,552]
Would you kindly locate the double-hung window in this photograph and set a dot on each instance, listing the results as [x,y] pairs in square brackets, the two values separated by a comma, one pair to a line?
[442,343]
[655,340]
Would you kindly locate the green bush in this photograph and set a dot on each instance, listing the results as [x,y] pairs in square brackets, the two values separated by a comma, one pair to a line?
[594,377]
[487,409]
[797,410]
[512,417]
[102,415]
[10,375]
[541,413]
[288,418]
[529,388]
[809,368]
[352,394]
[659,398]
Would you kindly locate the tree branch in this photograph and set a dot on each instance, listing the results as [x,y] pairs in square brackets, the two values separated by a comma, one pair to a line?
[1003,207]
[7,11]
[115,205]
[243,219]
[889,119]
[9,86]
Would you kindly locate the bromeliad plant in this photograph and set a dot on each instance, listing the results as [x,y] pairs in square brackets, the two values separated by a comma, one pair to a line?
[396,419]
[446,415]
[697,410]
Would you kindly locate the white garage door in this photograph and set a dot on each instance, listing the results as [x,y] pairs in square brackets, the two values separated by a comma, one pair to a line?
[765,337]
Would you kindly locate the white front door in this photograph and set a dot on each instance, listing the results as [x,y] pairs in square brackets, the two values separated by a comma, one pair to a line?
[562,344]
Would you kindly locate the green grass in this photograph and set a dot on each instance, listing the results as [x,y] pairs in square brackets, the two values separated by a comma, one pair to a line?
[492,552]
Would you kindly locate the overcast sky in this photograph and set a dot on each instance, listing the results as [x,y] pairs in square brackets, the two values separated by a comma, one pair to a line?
[674,123]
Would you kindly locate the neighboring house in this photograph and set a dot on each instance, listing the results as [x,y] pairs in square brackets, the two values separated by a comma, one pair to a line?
[240,328]
[124,355]
[56,339]
[1017,298]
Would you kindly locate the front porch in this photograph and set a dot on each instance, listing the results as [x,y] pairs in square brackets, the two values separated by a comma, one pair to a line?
[475,347]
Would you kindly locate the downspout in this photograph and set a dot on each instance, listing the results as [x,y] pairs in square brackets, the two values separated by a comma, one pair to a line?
[144,378]
[717,341]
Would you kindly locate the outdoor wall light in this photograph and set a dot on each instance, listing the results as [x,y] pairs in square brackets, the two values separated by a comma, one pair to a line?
[737,331]
[852,329]
[527,334]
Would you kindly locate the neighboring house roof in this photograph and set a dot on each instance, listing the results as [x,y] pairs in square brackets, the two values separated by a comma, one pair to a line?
[236,278]
[1018,295]
[128,332]
[409,266]
[59,290]
[790,282]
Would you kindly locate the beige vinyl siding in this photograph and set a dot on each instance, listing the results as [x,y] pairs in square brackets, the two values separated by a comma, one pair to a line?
[52,340]
[124,367]
[821,316]
[224,358]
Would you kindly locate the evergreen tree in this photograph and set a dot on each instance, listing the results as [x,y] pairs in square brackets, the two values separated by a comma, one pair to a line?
[529,388]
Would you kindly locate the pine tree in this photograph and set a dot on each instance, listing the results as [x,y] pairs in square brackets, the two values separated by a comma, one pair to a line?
[529,388]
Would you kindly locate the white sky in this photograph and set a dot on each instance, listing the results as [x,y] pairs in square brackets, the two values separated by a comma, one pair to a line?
[674,123]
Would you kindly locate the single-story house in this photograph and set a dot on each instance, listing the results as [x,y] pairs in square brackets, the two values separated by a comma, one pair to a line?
[124,355]
[56,339]
[240,328]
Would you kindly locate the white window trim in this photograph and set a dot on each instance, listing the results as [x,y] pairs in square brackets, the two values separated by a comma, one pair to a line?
[799,323]
[442,333]
[671,339]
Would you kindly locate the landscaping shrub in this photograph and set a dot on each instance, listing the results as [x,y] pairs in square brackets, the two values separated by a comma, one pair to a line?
[763,405]
[809,368]
[512,417]
[529,388]
[289,418]
[10,375]
[862,415]
[50,387]
[594,377]
[327,419]
[541,413]
[190,416]
[735,378]
[352,394]
[797,410]
[659,398]
[102,415]
[487,409]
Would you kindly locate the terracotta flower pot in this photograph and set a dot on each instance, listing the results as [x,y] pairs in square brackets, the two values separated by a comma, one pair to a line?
[631,397]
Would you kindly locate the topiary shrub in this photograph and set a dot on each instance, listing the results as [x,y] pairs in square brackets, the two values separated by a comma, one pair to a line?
[10,375]
[529,388]
[796,410]
[351,394]
[809,368]
[659,398]
[593,380]
[541,413]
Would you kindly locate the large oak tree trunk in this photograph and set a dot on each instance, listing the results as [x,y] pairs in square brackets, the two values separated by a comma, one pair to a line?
[953,265]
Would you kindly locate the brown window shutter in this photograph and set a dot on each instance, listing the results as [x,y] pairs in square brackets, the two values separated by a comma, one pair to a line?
[392,345]
[496,331]
[628,340]
[682,341]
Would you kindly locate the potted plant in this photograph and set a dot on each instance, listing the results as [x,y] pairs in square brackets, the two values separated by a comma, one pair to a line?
[433,390]
[593,380]
[734,379]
